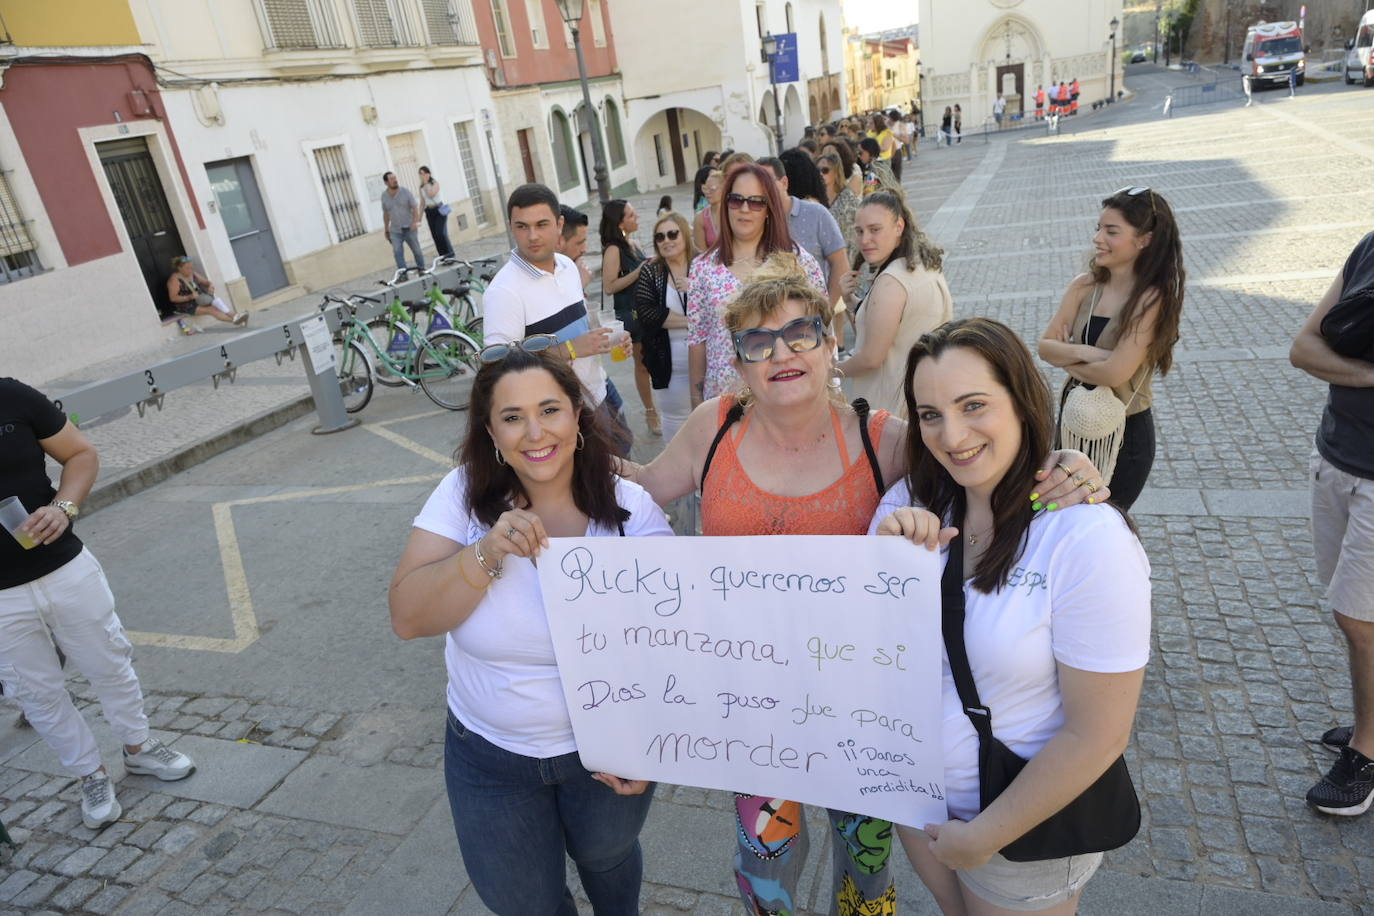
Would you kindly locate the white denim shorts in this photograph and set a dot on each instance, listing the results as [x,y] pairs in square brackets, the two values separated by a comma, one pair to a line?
[1029,886]
[1343,538]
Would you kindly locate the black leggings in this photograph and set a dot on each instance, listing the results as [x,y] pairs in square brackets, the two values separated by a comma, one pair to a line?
[1135,459]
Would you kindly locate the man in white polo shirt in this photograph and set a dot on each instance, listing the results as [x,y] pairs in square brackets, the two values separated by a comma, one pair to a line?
[539,291]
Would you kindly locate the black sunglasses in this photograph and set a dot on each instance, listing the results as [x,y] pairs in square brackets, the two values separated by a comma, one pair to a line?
[800,335]
[737,201]
[494,353]
[671,235]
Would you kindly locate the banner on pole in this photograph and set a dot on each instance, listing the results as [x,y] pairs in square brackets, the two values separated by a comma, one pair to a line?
[803,668]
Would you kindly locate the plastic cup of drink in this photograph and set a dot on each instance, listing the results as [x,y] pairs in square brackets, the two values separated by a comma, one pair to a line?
[619,353]
[12,515]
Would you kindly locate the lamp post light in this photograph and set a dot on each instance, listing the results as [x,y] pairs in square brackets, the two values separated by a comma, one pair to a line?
[770,50]
[1114,23]
[571,11]
[1155,50]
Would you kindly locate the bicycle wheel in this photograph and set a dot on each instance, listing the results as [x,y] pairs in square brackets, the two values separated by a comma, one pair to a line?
[445,368]
[466,313]
[384,335]
[354,371]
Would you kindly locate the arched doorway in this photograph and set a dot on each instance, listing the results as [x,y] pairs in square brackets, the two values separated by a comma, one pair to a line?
[586,121]
[694,134]
[792,115]
[1012,47]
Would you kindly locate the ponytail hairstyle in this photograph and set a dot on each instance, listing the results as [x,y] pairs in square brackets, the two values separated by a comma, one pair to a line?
[915,246]
[1158,269]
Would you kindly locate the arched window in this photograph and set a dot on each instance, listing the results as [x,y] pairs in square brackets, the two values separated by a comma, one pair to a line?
[561,138]
[825,49]
[614,139]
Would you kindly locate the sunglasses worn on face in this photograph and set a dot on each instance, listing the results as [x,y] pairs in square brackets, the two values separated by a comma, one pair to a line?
[825,171]
[737,201]
[800,335]
[671,235]
[494,353]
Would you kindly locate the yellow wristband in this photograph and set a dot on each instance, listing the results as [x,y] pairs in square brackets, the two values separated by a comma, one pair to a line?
[571,352]
[479,586]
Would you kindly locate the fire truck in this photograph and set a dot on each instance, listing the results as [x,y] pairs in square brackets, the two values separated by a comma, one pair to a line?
[1272,51]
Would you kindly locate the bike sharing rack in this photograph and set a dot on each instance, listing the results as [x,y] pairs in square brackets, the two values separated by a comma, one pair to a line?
[148,387]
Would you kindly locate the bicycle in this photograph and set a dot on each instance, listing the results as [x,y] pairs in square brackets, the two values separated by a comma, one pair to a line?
[442,363]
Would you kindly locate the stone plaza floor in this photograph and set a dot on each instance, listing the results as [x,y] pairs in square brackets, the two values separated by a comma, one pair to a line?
[253,582]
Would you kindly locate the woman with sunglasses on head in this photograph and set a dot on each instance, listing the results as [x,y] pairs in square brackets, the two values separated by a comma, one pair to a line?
[621,261]
[851,173]
[754,229]
[788,456]
[1117,324]
[844,200]
[536,464]
[907,298]
[707,216]
[1051,626]
[661,312]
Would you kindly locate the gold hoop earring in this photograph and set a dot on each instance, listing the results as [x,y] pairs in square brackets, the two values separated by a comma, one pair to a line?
[500,458]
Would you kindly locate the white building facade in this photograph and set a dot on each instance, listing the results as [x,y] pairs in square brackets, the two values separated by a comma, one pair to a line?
[695,79]
[289,112]
[972,49]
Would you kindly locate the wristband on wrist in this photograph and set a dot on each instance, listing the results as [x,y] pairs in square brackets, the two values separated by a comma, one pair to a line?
[572,354]
[477,586]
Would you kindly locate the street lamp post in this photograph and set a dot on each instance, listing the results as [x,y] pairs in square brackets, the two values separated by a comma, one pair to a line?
[571,11]
[1112,96]
[770,50]
[1155,50]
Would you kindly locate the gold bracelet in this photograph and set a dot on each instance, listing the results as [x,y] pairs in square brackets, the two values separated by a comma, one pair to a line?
[571,352]
[478,586]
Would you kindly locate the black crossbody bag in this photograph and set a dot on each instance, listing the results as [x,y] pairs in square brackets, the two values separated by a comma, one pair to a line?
[1107,814]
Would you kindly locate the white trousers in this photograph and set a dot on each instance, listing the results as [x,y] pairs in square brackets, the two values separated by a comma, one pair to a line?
[72,605]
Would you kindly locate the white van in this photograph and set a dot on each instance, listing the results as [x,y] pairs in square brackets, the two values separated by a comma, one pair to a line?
[1359,52]
[1273,51]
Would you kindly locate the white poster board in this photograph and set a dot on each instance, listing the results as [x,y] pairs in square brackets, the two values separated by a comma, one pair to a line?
[802,668]
[319,343]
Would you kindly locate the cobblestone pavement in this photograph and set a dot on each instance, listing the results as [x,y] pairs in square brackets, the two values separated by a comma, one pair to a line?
[320,789]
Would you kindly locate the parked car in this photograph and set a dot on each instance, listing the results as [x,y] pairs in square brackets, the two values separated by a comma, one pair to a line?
[1359,52]
[1138,57]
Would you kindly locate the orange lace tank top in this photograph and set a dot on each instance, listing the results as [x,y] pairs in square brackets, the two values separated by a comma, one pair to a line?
[732,505]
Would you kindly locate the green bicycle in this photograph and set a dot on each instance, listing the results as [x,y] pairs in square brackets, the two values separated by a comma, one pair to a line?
[441,363]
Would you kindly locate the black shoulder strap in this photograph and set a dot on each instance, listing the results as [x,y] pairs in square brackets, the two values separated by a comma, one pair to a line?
[952,625]
[731,418]
[861,409]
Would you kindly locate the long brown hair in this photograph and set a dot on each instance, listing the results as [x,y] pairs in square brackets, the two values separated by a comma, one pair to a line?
[493,487]
[931,484]
[914,245]
[1158,267]
[776,234]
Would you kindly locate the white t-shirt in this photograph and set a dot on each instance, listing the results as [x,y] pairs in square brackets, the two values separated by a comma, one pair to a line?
[502,676]
[1079,595]
[999,106]
[523,300]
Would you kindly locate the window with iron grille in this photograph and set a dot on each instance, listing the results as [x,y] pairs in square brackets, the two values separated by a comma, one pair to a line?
[658,155]
[563,161]
[463,133]
[449,22]
[18,254]
[614,139]
[337,180]
[383,24]
[299,24]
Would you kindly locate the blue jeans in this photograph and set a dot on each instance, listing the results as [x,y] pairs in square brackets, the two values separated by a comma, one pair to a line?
[517,817]
[613,416]
[399,239]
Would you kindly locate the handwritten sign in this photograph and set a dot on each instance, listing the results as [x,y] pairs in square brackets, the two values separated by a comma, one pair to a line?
[802,668]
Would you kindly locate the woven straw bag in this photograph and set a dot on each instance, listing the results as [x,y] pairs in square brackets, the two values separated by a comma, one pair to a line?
[1093,421]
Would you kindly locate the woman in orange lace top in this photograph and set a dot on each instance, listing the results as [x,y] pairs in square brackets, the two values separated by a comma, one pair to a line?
[790,457]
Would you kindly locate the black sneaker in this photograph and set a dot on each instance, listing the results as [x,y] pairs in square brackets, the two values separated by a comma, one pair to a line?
[1337,738]
[1349,787]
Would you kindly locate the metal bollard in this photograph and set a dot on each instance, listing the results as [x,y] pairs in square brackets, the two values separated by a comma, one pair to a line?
[316,346]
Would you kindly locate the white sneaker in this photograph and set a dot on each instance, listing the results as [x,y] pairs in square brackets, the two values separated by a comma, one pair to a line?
[99,806]
[157,759]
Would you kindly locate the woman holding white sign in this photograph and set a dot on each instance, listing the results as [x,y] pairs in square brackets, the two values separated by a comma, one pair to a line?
[536,464]
[1047,631]
[788,456]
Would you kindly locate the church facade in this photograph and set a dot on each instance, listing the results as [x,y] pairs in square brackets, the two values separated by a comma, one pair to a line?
[972,49]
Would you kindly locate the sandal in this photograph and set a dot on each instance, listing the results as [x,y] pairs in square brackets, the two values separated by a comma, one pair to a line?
[240,318]
[652,421]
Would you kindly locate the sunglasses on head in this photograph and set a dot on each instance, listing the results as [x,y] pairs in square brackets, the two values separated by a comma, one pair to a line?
[737,202]
[494,353]
[1136,192]
[799,335]
[671,235]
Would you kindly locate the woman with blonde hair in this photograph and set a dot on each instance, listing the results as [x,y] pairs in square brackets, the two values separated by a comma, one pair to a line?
[907,298]
[786,455]
[661,312]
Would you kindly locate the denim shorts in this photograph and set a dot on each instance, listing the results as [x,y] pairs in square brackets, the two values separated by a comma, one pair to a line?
[1029,886]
